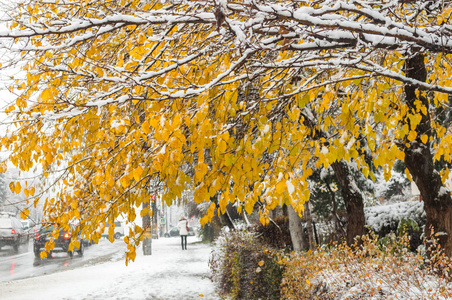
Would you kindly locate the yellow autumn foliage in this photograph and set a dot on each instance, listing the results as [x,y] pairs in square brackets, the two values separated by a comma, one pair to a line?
[164,99]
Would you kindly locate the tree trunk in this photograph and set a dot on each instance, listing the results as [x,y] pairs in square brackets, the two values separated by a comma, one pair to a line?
[147,237]
[419,161]
[296,231]
[245,219]
[285,211]
[338,228]
[225,219]
[309,229]
[352,196]
[353,201]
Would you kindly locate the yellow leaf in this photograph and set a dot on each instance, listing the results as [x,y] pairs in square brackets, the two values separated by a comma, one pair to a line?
[308,282]
[145,127]
[144,212]
[222,147]
[137,173]
[424,138]
[110,180]
[280,187]
[371,144]
[412,135]
[31,191]
[17,188]
[154,123]
[24,214]
[365,171]
[49,158]
[141,38]
[261,263]
[124,181]
[46,95]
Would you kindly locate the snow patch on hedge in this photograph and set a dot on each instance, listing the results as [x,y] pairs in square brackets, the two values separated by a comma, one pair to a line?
[390,215]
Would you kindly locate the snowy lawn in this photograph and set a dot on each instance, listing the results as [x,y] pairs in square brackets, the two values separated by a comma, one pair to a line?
[169,273]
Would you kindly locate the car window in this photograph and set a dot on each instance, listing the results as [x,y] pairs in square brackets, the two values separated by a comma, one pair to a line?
[16,223]
[117,224]
[5,223]
[47,228]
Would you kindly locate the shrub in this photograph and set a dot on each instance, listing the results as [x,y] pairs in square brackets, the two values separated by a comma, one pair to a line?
[276,234]
[210,231]
[243,268]
[411,228]
[401,218]
[375,270]
[386,218]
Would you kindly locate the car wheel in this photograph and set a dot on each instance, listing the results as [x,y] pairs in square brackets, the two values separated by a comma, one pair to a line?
[117,235]
[166,235]
[37,254]
[81,250]
[71,254]
[16,247]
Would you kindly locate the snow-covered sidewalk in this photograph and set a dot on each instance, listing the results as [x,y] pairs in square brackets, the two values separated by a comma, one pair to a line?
[169,273]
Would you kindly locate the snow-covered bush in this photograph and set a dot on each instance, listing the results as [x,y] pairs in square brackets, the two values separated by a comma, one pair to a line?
[372,271]
[386,218]
[402,218]
[243,268]
[397,188]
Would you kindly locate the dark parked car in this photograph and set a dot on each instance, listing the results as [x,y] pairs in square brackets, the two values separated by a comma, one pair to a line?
[12,232]
[175,232]
[44,234]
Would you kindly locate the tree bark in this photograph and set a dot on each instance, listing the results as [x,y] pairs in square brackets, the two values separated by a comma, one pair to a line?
[352,196]
[296,231]
[337,222]
[419,161]
[147,238]
[309,228]
[353,199]
[225,219]
[245,219]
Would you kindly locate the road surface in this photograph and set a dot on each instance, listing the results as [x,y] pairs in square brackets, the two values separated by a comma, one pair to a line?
[24,265]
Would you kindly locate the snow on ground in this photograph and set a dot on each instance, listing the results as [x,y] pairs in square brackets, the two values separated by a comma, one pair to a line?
[169,273]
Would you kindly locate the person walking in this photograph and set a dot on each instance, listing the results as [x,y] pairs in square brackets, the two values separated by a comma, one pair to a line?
[183,231]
